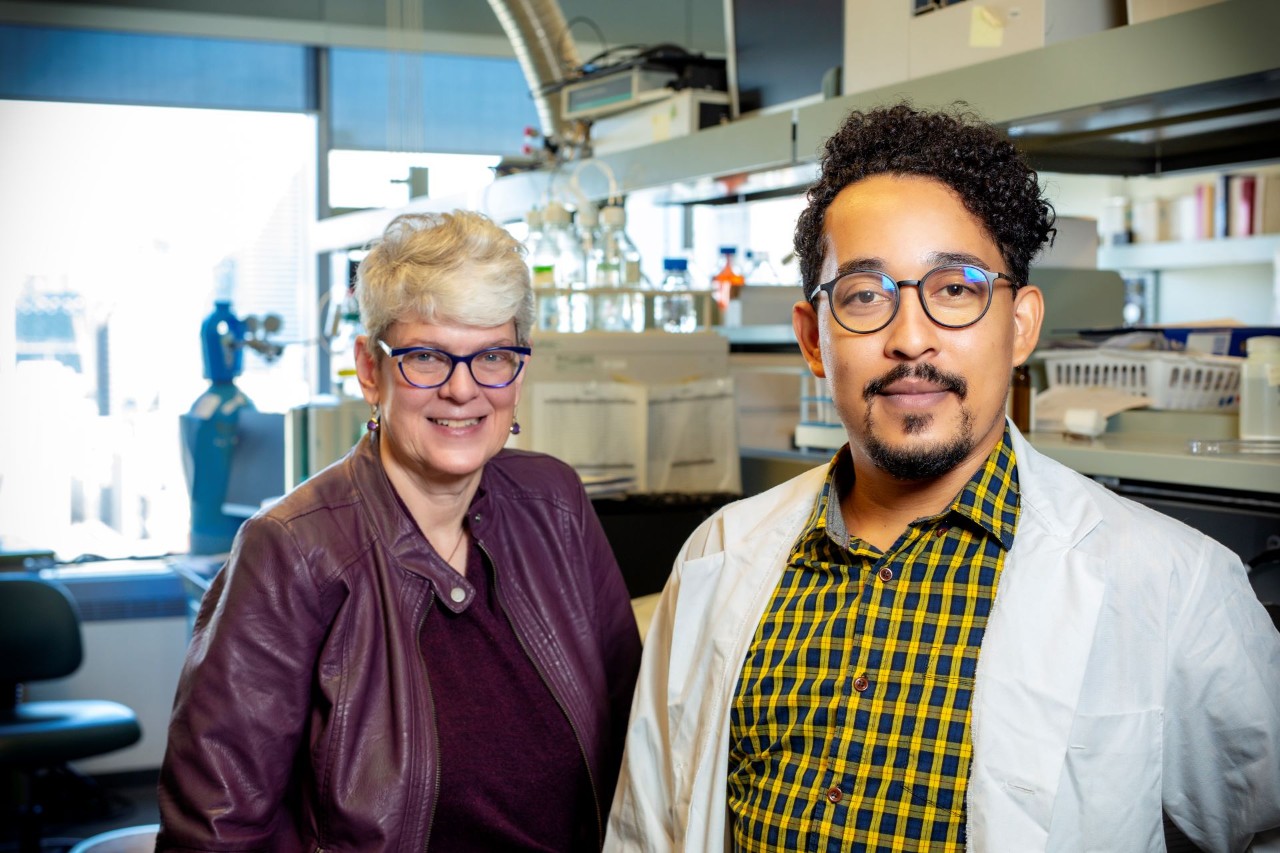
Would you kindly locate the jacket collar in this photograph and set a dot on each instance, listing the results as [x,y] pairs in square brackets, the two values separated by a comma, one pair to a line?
[396,531]
[1043,483]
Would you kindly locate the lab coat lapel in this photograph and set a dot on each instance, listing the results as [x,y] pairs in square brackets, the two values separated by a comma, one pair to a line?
[721,597]
[1034,658]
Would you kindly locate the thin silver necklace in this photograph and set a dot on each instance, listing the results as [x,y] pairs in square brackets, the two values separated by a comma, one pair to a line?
[456,545]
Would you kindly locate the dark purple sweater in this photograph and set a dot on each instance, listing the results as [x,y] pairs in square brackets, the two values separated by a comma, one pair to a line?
[512,777]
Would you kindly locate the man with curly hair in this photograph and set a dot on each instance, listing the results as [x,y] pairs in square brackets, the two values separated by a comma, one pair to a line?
[942,639]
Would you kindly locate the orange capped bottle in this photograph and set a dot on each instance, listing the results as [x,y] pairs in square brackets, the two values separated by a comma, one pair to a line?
[727,283]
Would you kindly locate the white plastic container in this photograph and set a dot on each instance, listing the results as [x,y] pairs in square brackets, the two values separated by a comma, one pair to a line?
[1260,388]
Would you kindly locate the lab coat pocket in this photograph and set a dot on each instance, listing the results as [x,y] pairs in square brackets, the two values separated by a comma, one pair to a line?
[1113,773]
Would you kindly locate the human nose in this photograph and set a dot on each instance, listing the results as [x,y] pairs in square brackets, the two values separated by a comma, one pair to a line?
[912,333]
[460,385]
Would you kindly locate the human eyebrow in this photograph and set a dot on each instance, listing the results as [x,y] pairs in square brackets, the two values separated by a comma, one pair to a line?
[873,264]
[946,259]
[416,347]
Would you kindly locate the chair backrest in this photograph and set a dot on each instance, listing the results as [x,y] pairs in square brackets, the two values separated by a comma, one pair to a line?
[39,630]
[1264,576]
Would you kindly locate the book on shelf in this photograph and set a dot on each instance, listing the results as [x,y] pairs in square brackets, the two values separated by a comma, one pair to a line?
[1238,204]
[1266,204]
[1220,217]
[1235,204]
[1240,194]
[1206,207]
[1186,218]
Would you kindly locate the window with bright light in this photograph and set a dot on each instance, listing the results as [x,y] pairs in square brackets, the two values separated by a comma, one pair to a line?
[360,179]
[119,225]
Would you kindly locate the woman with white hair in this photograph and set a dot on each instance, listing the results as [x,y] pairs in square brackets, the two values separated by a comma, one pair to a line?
[428,645]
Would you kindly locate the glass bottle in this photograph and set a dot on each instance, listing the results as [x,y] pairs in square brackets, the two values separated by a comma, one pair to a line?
[587,225]
[542,267]
[346,327]
[571,301]
[673,308]
[728,284]
[617,267]
[759,269]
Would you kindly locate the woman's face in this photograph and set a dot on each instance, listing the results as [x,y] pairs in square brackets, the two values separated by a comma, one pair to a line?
[447,433]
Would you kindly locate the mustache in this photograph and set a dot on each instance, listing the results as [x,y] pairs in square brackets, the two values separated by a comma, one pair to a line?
[927,372]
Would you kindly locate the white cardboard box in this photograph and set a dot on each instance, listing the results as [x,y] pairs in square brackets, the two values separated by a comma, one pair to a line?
[679,114]
[885,43]
[1149,10]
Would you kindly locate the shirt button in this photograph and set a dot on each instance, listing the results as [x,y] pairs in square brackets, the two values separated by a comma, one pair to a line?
[860,683]
[885,574]
[477,518]
[458,594]
[834,794]
[941,531]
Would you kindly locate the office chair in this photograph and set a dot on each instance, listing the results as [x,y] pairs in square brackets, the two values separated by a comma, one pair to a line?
[1264,577]
[134,839]
[39,640]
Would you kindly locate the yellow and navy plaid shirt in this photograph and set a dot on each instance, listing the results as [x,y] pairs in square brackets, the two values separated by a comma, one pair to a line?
[850,723]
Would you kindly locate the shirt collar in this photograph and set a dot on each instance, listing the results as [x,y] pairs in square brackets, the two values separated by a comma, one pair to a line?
[989,500]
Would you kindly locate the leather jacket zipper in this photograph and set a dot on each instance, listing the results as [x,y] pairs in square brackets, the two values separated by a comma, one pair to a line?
[431,702]
[595,796]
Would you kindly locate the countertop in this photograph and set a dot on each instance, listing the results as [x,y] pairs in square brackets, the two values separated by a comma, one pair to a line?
[1162,458]
[1150,446]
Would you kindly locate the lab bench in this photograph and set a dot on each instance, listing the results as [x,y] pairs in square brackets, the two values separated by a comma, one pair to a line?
[1232,497]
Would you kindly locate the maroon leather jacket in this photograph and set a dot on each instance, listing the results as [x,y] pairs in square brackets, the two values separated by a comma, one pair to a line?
[303,719]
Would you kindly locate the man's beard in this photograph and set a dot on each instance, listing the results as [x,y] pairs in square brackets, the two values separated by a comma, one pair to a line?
[918,463]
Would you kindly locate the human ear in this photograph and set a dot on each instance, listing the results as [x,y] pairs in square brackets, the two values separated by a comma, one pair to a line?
[804,320]
[1028,314]
[367,370]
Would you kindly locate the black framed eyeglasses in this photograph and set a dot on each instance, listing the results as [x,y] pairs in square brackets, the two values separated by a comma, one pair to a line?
[953,296]
[428,367]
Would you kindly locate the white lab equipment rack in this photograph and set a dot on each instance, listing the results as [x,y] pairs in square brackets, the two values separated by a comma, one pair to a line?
[819,427]
[1172,380]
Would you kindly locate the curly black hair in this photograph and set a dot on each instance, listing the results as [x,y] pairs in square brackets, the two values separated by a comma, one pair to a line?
[954,146]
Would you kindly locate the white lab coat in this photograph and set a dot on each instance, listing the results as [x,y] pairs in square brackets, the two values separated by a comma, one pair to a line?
[1126,666]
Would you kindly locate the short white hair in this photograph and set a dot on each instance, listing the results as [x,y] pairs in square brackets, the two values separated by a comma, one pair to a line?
[459,267]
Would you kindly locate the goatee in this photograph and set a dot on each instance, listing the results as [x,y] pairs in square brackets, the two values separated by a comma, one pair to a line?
[918,463]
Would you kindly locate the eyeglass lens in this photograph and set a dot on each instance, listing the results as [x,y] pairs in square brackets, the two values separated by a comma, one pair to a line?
[494,367]
[952,296]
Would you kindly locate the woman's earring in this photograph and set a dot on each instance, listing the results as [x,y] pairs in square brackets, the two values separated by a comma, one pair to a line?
[515,424]
[372,424]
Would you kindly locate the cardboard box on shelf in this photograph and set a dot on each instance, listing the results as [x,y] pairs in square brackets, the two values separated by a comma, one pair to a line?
[886,43]
[1151,220]
[1149,10]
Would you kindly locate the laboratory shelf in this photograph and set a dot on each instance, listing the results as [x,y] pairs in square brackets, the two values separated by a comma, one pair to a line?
[1191,254]
[1160,458]
[1146,98]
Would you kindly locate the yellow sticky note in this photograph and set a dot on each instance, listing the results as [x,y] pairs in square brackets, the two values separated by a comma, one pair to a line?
[985,28]
[660,126]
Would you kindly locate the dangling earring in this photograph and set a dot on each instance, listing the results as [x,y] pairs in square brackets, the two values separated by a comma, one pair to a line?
[515,424]
[372,424]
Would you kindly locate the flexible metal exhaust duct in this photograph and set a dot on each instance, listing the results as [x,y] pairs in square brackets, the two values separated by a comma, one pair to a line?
[546,51]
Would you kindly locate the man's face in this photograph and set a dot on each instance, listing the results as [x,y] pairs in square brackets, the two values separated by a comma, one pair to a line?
[915,398]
